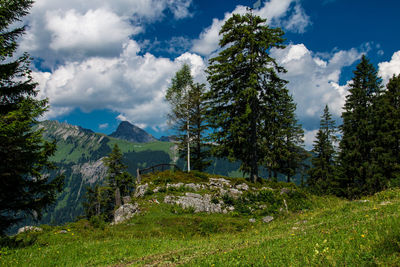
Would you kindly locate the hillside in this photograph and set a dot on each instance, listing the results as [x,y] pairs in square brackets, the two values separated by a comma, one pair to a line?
[79,157]
[323,231]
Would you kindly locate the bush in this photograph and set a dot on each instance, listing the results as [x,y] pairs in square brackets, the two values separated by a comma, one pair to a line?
[98,221]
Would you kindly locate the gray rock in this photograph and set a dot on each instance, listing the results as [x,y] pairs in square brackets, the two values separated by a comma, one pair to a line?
[243,187]
[126,199]
[176,186]
[63,232]
[141,190]
[194,187]
[198,202]
[230,208]
[125,212]
[267,219]
[234,193]
[284,190]
[219,182]
[266,188]
[155,190]
[252,220]
[29,229]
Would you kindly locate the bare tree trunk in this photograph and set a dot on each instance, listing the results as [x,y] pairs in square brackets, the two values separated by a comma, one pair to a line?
[117,197]
[187,129]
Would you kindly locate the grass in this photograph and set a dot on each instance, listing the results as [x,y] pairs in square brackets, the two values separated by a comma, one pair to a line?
[333,232]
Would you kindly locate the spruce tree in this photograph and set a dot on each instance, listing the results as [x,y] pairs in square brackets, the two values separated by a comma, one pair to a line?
[322,174]
[359,172]
[187,117]
[242,78]
[25,184]
[117,177]
[388,134]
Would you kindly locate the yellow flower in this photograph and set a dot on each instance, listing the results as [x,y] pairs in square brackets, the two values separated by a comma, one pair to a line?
[362,235]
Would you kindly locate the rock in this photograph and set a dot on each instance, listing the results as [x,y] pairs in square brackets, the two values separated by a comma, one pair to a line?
[63,232]
[243,187]
[29,229]
[141,190]
[125,212]
[219,182]
[230,208]
[198,202]
[384,203]
[267,219]
[194,187]
[363,200]
[126,199]
[155,190]
[252,220]
[284,190]
[266,188]
[234,193]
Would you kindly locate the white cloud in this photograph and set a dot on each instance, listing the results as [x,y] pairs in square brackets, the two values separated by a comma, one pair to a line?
[284,13]
[388,68]
[60,30]
[96,30]
[103,126]
[309,137]
[314,82]
[133,85]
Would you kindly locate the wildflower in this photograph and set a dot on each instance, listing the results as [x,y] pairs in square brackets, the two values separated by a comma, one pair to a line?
[362,235]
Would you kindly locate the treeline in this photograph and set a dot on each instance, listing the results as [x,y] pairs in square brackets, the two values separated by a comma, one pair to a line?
[247,114]
[367,159]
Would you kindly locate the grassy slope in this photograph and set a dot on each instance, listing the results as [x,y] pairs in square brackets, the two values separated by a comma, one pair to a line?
[334,232]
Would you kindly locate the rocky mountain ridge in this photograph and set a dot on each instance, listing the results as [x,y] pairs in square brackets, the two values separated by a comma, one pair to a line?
[129,132]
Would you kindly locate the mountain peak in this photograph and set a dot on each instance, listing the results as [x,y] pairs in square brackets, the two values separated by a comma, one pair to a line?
[132,133]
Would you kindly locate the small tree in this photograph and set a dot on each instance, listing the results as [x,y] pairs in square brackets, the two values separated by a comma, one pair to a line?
[322,174]
[117,178]
[25,186]
[188,117]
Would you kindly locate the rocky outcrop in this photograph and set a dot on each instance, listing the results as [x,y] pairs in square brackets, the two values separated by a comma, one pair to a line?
[125,212]
[29,229]
[267,219]
[91,171]
[196,201]
[141,190]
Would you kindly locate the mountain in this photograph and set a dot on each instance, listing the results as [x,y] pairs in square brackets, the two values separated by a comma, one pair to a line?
[129,132]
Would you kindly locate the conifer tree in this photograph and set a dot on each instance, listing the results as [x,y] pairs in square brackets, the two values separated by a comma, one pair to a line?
[187,116]
[25,186]
[117,177]
[243,77]
[358,151]
[388,134]
[322,174]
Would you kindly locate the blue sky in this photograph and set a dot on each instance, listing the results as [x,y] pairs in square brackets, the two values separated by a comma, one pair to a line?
[99,62]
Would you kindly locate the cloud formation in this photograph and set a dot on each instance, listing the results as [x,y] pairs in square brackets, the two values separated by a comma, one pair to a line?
[288,14]
[131,84]
[388,68]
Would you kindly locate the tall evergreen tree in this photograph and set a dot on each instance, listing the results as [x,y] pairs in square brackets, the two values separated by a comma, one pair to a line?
[117,177]
[25,186]
[358,150]
[243,77]
[188,117]
[322,174]
[388,134]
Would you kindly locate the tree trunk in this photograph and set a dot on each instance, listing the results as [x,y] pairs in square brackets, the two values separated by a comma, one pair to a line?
[117,197]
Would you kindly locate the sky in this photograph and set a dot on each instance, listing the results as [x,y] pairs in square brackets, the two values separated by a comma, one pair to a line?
[100,62]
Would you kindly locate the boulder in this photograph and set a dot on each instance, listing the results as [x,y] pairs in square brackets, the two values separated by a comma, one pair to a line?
[194,187]
[125,212]
[243,187]
[29,229]
[198,202]
[141,190]
[252,220]
[267,219]
[220,182]
[126,199]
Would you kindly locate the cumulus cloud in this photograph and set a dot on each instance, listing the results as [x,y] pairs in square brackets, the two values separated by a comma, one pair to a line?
[388,68]
[133,85]
[288,14]
[314,81]
[63,30]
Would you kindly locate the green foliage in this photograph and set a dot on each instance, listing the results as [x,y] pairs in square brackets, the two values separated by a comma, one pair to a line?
[187,117]
[99,203]
[323,172]
[360,172]
[250,110]
[25,187]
